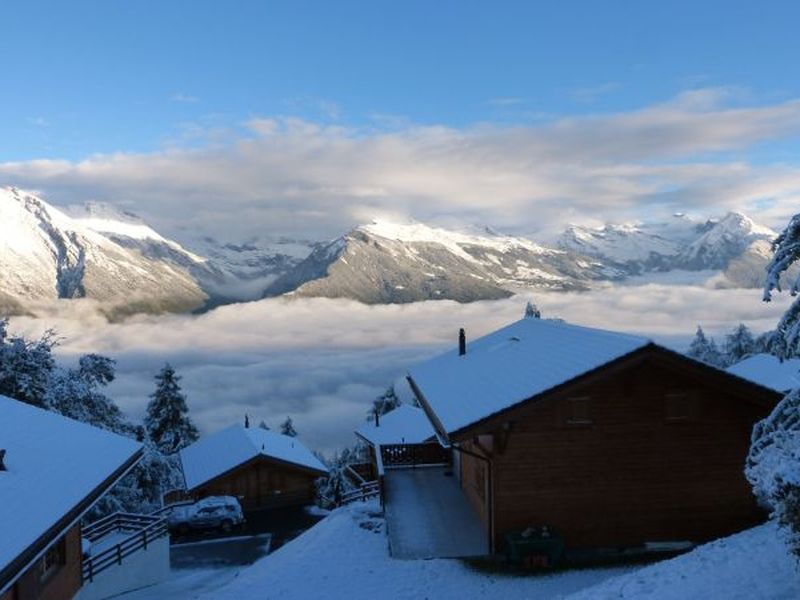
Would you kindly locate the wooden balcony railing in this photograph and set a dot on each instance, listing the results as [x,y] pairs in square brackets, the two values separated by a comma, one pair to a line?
[396,456]
[139,531]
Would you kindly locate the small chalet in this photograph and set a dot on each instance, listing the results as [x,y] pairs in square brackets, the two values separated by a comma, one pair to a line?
[609,439]
[263,469]
[769,371]
[52,471]
[404,434]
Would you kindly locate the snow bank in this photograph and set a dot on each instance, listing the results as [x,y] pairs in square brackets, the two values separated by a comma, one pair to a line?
[750,565]
[346,556]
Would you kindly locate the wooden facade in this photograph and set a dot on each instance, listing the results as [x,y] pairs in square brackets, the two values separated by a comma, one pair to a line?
[263,483]
[56,576]
[649,448]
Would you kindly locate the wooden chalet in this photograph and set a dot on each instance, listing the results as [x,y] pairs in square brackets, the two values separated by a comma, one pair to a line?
[609,439]
[52,471]
[263,469]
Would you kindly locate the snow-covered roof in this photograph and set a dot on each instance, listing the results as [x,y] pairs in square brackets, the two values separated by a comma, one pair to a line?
[213,455]
[513,364]
[768,371]
[54,464]
[404,425]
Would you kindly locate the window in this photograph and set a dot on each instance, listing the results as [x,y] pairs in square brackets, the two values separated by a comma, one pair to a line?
[677,407]
[578,412]
[54,558]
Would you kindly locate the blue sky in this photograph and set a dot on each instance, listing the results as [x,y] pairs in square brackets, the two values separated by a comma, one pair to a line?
[242,119]
[97,77]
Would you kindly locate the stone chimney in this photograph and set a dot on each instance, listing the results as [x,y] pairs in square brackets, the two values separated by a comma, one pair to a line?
[462,342]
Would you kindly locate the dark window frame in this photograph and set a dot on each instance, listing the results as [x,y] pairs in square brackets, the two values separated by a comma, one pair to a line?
[579,411]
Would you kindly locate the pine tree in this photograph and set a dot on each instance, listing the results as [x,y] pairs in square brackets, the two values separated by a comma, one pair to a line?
[773,463]
[167,421]
[704,349]
[739,344]
[786,252]
[532,311]
[384,403]
[287,428]
[263,425]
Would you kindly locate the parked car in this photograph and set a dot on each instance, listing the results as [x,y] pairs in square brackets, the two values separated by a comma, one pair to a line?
[214,512]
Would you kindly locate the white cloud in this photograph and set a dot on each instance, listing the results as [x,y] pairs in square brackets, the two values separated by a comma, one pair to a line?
[322,361]
[291,176]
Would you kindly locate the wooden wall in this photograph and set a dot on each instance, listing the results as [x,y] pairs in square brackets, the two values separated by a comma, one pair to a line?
[61,583]
[263,484]
[649,454]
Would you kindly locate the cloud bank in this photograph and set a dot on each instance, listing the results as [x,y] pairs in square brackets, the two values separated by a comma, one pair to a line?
[322,361]
[282,175]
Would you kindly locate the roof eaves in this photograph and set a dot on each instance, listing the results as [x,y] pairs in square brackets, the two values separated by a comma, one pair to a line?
[11,572]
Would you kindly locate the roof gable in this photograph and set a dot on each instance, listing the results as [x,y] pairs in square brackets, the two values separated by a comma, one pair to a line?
[513,364]
[53,465]
[404,425]
[216,454]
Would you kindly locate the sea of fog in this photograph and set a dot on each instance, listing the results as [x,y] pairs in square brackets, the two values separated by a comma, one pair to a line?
[322,361]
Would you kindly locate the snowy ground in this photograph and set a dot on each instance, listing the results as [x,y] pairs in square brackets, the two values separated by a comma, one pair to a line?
[345,556]
[751,565]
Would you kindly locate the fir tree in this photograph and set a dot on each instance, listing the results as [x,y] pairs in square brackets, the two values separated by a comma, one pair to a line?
[532,311]
[704,349]
[739,344]
[773,463]
[384,403]
[786,252]
[287,428]
[167,421]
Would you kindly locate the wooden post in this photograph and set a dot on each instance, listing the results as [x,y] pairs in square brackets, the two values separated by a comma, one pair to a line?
[119,554]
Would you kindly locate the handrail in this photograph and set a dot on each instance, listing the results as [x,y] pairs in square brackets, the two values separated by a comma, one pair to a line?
[155,527]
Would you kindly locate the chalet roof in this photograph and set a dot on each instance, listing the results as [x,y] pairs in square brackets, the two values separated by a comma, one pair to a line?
[404,425]
[56,468]
[768,371]
[514,364]
[216,454]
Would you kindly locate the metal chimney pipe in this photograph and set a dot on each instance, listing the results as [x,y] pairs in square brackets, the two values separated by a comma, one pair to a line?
[462,342]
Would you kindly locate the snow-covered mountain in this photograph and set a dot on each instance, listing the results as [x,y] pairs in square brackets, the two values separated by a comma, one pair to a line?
[227,272]
[386,262]
[98,251]
[45,255]
[682,243]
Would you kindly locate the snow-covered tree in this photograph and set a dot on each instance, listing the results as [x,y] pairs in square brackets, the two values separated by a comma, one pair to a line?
[739,344]
[76,393]
[384,403]
[263,425]
[773,463]
[287,428]
[330,489]
[705,349]
[26,365]
[786,252]
[167,420]
[532,311]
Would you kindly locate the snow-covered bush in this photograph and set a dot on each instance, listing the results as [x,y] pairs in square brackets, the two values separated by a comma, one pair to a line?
[384,403]
[330,489]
